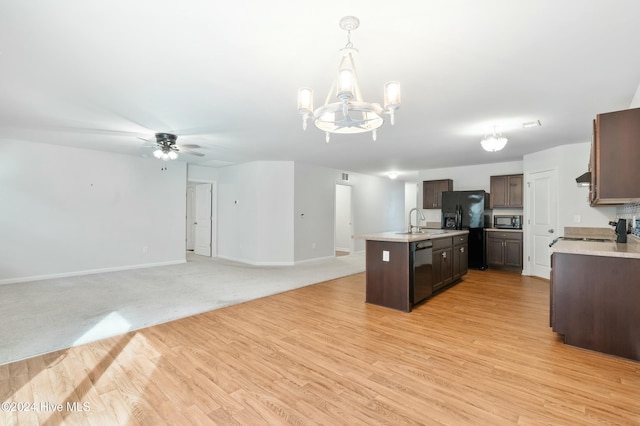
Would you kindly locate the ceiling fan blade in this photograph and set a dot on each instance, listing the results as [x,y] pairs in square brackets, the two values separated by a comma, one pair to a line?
[189,145]
[186,151]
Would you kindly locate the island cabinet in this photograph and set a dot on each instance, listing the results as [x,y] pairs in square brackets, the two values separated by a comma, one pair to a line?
[432,192]
[442,262]
[460,256]
[403,271]
[504,250]
[507,191]
[594,302]
[615,155]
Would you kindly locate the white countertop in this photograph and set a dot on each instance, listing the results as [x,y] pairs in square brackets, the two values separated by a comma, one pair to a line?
[630,249]
[400,237]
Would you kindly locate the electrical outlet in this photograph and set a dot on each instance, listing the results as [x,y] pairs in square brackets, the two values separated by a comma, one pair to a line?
[576,218]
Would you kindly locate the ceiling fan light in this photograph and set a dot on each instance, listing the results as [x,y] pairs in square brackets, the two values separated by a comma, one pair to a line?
[157,153]
[172,155]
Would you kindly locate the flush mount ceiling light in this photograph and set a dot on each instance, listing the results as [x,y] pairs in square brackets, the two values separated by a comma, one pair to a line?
[392,175]
[350,114]
[494,142]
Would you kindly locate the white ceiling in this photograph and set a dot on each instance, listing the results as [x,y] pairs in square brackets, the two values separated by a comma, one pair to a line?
[225,75]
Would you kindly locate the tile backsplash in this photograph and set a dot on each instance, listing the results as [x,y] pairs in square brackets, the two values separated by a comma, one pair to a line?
[630,212]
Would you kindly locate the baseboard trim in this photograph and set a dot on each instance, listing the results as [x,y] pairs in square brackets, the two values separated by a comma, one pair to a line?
[315,259]
[247,262]
[88,272]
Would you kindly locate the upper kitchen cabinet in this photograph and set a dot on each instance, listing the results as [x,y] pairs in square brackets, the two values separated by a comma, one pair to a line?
[506,191]
[432,192]
[615,156]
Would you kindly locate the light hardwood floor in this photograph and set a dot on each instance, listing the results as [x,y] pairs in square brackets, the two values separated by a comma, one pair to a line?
[480,353]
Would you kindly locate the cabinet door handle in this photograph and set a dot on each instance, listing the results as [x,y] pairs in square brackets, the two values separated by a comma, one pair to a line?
[551,231]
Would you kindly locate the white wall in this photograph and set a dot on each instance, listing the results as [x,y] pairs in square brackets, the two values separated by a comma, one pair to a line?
[570,161]
[314,211]
[635,102]
[411,190]
[343,234]
[255,212]
[68,211]
[377,205]
[197,173]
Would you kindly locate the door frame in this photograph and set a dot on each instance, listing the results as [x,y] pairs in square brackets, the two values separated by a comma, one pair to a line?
[214,214]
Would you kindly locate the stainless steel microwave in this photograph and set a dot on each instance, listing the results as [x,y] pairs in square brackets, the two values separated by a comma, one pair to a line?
[507,222]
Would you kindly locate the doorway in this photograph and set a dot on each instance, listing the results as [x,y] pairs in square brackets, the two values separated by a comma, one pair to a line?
[201,218]
[343,241]
[542,220]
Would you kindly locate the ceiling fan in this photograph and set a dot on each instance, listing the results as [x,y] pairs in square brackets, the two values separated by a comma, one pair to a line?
[167,149]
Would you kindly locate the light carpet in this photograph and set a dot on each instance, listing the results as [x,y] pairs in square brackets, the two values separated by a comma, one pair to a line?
[48,315]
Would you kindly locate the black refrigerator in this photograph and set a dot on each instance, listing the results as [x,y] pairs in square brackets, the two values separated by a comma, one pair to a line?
[469,210]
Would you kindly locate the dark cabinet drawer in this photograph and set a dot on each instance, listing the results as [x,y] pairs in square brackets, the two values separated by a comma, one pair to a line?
[440,243]
[460,239]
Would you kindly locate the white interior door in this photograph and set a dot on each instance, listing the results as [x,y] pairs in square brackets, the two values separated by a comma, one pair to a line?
[203,219]
[543,220]
[343,231]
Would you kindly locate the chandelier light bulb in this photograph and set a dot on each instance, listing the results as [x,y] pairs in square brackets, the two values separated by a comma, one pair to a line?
[305,99]
[345,84]
[392,95]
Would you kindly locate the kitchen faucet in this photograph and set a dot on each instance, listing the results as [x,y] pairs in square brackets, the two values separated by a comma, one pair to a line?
[418,211]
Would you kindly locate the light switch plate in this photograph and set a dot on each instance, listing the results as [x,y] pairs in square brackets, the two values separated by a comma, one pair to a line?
[385,255]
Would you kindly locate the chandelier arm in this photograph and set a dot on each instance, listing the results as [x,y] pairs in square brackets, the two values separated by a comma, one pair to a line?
[356,92]
[331,90]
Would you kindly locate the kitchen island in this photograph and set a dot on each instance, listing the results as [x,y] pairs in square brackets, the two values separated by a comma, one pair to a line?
[404,269]
[595,295]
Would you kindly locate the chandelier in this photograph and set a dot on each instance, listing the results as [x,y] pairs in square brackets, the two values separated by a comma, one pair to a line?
[350,114]
[494,143]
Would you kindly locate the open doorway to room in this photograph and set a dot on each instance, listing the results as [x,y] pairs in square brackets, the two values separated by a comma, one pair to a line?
[343,221]
[201,218]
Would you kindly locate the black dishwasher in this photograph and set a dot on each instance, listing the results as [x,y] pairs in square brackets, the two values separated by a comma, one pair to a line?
[421,271]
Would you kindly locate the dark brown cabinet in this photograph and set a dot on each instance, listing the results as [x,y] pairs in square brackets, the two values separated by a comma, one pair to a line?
[593,302]
[432,192]
[442,262]
[615,156]
[460,255]
[507,191]
[504,250]
[400,275]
